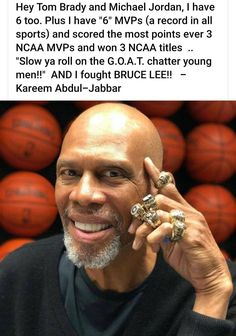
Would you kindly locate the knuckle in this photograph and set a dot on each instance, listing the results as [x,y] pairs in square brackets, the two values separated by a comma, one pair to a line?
[142,231]
[160,213]
[166,226]
[160,199]
[193,240]
[150,239]
[196,237]
[171,187]
[202,219]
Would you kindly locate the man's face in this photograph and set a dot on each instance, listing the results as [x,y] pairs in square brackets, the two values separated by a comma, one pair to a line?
[99,177]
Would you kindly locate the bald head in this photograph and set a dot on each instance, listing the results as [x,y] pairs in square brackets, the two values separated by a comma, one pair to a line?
[117,123]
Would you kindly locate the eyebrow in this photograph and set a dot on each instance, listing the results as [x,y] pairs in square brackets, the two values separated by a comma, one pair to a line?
[70,163]
[105,163]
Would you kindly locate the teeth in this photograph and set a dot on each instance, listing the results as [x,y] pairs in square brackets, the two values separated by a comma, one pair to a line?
[91,227]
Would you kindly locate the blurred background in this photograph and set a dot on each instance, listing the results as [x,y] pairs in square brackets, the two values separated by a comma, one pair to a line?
[199,149]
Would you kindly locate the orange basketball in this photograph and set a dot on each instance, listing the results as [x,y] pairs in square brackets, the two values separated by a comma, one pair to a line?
[218,206]
[157,108]
[30,137]
[173,143]
[27,204]
[212,111]
[11,245]
[211,153]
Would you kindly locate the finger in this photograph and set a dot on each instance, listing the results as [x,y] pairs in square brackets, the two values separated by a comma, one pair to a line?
[140,235]
[151,169]
[145,229]
[153,174]
[172,192]
[168,189]
[156,237]
[166,204]
[134,225]
[164,216]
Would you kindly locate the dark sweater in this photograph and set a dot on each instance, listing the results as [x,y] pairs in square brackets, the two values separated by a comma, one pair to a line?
[31,302]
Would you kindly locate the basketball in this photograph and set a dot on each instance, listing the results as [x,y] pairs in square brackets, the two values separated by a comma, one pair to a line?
[211,153]
[173,143]
[157,108]
[30,137]
[212,111]
[218,206]
[27,204]
[11,245]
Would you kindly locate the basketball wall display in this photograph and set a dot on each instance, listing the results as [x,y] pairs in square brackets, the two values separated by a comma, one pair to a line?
[211,153]
[199,148]
[173,143]
[212,111]
[30,137]
[12,245]
[218,205]
[27,204]
[158,108]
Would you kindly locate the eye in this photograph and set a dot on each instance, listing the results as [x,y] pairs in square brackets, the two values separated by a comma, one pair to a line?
[113,173]
[67,172]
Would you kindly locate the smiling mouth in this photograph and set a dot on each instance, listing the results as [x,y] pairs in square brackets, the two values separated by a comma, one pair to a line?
[88,227]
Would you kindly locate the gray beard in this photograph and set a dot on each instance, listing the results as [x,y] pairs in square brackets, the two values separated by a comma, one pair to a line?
[92,256]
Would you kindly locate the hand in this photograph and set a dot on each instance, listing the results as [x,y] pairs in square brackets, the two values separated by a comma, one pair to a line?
[196,256]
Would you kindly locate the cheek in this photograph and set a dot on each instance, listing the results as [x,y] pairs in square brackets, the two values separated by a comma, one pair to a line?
[61,197]
[123,200]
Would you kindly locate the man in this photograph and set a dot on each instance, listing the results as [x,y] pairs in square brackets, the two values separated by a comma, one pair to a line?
[157,271]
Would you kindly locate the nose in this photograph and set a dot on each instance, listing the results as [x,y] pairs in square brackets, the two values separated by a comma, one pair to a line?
[87,192]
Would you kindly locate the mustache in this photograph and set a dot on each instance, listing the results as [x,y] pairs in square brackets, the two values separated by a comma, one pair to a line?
[102,212]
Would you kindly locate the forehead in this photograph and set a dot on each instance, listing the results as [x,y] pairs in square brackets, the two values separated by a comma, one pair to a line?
[101,133]
[92,155]
[97,147]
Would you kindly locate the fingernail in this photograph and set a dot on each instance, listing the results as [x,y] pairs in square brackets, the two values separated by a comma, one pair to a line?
[137,244]
[148,159]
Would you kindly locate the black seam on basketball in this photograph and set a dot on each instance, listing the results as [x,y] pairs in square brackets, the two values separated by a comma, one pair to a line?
[30,136]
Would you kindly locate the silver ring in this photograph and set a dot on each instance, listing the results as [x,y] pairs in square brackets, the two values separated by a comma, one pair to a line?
[178,215]
[137,211]
[178,230]
[149,202]
[146,212]
[151,218]
[164,178]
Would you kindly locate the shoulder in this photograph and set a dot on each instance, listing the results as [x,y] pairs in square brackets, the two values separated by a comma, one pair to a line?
[33,254]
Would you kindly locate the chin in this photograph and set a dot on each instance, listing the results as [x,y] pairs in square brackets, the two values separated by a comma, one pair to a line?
[94,256]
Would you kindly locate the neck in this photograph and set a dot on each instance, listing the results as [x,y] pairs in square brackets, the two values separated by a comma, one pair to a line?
[126,272]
